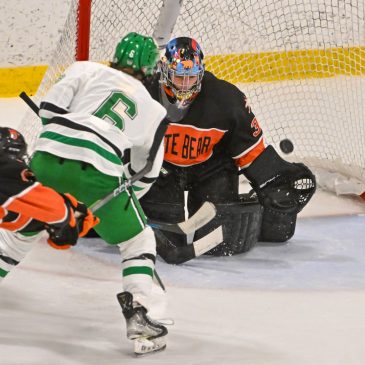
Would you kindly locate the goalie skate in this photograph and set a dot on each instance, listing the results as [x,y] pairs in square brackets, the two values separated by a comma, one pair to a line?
[149,336]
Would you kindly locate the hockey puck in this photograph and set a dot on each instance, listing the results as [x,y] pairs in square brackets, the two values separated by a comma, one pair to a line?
[286,146]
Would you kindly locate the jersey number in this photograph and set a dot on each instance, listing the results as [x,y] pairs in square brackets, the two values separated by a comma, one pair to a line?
[115,106]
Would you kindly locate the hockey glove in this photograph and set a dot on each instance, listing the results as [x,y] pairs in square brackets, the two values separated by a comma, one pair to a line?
[280,186]
[78,222]
[84,217]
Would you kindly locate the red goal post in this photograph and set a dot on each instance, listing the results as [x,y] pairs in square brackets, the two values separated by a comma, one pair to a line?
[301,64]
[83,30]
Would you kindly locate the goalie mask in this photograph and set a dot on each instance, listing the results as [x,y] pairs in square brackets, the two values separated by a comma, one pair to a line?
[12,144]
[137,52]
[182,71]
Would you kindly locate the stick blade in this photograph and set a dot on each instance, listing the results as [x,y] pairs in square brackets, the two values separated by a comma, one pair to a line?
[204,215]
[208,242]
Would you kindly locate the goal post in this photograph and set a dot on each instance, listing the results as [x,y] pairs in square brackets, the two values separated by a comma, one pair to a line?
[83,30]
[301,64]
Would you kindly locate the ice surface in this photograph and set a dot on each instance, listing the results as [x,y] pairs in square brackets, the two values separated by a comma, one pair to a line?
[296,303]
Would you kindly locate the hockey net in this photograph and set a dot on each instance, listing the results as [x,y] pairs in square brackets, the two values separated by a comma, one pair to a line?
[301,64]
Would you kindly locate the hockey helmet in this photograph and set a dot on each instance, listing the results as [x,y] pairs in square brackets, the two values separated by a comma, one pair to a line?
[137,52]
[12,143]
[182,69]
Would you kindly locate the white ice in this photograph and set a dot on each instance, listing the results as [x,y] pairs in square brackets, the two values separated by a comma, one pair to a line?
[302,302]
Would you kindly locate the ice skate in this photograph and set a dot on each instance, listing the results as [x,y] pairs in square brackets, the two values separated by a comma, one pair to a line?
[149,336]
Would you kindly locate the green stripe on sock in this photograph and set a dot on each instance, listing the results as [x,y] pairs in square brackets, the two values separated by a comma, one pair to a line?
[3,273]
[138,270]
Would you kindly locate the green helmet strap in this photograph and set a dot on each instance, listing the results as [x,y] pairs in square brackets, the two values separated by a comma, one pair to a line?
[137,52]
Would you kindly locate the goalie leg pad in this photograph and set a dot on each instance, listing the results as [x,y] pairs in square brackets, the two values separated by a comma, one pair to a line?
[241,223]
[277,226]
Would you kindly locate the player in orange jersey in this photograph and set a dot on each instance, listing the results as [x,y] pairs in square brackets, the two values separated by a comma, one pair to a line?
[28,209]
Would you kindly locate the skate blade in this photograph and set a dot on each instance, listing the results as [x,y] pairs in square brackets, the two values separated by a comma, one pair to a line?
[144,346]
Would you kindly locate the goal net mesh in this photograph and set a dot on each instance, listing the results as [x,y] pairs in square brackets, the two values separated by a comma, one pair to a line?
[300,63]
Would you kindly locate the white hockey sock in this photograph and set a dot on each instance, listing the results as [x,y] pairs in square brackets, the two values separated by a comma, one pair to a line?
[138,266]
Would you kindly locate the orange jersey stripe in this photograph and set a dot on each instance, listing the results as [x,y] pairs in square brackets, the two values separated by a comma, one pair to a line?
[3,212]
[17,224]
[186,145]
[247,158]
[38,202]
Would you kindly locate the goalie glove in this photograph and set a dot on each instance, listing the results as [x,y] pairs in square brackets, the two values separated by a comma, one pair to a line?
[77,224]
[280,186]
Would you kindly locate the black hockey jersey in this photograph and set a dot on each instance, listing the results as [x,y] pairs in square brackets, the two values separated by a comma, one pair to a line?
[26,204]
[219,121]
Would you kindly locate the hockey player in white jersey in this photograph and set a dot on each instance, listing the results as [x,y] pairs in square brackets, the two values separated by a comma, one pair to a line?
[90,116]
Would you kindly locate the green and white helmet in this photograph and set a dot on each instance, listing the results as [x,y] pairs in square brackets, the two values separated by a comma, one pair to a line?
[137,52]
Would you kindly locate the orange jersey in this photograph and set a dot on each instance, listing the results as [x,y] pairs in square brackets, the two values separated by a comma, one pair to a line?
[219,121]
[187,145]
[24,203]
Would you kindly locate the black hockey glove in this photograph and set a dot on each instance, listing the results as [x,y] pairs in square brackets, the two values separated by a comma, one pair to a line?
[78,222]
[280,185]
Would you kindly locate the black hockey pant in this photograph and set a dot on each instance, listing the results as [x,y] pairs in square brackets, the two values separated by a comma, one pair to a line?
[215,180]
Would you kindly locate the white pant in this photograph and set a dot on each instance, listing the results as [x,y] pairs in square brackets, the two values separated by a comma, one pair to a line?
[15,246]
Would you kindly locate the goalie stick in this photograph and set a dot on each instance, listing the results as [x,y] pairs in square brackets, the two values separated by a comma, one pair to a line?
[179,254]
[204,215]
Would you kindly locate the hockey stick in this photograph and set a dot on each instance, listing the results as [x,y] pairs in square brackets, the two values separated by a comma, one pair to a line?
[177,255]
[205,214]
[32,105]
[166,21]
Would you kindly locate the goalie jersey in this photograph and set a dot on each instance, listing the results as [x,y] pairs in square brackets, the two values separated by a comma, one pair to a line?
[219,121]
[93,113]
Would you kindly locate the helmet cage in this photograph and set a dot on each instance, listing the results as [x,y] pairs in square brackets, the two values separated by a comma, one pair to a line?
[181,93]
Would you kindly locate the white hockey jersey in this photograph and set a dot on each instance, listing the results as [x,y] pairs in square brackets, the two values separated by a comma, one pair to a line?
[93,113]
